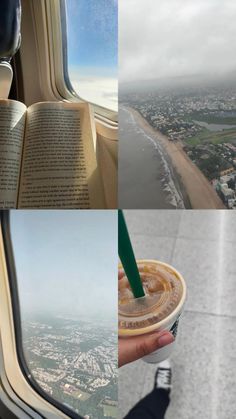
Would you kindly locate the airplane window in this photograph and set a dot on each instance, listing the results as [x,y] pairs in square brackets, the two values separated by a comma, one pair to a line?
[92,50]
[66,275]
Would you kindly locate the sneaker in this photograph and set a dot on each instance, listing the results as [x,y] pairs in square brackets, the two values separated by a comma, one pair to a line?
[163,376]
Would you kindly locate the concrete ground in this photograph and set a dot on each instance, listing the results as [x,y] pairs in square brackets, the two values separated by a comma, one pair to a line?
[202,246]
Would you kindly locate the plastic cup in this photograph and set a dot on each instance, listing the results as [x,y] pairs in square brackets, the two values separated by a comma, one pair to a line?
[160,309]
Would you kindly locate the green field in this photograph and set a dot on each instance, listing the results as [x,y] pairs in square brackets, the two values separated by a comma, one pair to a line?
[206,136]
[110,411]
[81,395]
[211,119]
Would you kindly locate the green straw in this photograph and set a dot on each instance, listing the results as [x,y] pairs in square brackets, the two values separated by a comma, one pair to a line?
[127,258]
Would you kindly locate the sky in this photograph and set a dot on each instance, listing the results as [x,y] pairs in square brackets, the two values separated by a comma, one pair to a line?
[162,39]
[92,38]
[66,261]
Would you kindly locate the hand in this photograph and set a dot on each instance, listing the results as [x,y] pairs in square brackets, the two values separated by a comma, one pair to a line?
[131,349]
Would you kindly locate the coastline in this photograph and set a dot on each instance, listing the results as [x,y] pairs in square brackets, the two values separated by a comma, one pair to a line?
[199,191]
[159,186]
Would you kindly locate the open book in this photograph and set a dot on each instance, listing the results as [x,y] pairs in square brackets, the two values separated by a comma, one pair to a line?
[47,156]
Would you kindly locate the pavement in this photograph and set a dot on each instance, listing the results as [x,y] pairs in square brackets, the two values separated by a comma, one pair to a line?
[201,244]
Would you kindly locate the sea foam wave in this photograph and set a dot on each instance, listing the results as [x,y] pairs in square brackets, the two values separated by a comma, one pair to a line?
[175,197]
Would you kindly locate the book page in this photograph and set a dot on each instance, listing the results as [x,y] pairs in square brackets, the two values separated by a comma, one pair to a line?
[12,126]
[59,168]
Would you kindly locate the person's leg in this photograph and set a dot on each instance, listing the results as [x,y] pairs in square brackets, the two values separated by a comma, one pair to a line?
[155,404]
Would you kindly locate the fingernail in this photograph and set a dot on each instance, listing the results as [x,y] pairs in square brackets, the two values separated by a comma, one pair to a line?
[165,339]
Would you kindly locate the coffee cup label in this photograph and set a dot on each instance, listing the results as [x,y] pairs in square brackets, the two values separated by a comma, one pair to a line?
[174,328]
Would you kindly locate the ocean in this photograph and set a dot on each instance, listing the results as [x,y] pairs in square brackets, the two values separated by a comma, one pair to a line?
[147,179]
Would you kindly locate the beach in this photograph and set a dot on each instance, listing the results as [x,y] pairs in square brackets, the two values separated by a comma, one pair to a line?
[147,178]
[199,190]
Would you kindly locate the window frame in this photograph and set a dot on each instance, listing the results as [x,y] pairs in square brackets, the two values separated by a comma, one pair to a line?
[56,21]
[41,59]
[30,396]
[9,403]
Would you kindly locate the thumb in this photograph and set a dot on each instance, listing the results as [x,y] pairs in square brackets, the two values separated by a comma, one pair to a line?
[131,349]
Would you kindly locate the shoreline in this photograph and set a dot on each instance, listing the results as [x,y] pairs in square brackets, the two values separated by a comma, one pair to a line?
[198,189]
[163,186]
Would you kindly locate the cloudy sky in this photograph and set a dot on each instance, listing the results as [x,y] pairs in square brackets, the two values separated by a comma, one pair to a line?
[92,37]
[66,261]
[168,38]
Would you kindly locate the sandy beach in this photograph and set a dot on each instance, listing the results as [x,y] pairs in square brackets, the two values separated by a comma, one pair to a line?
[199,190]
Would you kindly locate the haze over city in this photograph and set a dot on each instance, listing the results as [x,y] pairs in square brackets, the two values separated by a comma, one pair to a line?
[60,266]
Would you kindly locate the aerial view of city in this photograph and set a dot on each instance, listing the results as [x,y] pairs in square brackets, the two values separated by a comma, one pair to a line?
[68,306]
[177,97]
[199,122]
[75,362]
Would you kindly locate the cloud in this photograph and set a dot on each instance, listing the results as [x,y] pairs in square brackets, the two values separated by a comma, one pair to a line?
[176,38]
[99,90]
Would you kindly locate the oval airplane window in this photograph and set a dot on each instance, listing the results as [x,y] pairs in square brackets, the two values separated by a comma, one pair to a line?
[92,50]
[66,277]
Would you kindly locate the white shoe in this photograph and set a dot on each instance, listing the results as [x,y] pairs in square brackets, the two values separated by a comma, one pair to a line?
[163,376]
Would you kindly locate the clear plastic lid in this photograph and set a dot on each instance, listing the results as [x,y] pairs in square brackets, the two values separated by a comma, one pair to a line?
[163,291]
